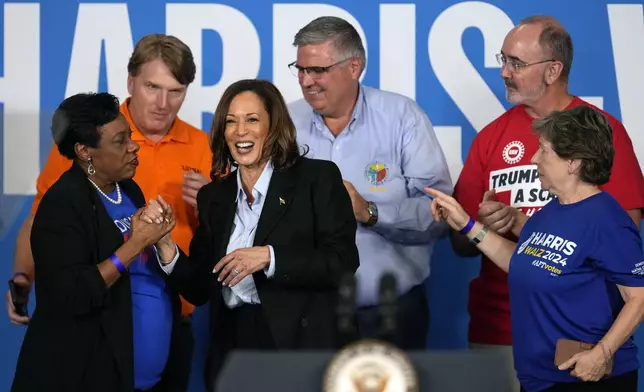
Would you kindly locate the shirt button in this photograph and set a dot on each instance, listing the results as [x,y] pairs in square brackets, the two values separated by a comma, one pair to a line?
[337,147]
[304,322]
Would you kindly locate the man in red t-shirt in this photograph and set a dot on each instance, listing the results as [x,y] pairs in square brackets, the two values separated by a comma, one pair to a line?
[500,187]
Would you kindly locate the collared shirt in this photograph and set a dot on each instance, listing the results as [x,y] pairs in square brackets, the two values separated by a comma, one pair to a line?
[242,236]
[389,152]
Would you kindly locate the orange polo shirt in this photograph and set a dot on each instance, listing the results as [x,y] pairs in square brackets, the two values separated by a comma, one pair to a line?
[160,171]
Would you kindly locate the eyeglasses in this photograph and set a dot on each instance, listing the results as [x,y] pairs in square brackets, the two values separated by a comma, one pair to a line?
[313,72]
[516,65]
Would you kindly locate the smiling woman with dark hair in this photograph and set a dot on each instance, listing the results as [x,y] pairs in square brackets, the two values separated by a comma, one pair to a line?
[280,146]
[95,290]
[276,233]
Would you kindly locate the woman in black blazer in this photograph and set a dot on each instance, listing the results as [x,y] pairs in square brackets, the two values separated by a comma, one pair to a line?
[275,236]
[89,242]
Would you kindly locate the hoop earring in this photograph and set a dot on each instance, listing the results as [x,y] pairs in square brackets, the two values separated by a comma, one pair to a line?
[90,168]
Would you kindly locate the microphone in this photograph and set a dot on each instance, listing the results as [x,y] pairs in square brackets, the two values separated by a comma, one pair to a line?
[346,309]
[388,308]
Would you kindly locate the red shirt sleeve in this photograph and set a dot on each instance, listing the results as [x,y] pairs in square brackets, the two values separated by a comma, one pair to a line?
[470,185]
[626,182]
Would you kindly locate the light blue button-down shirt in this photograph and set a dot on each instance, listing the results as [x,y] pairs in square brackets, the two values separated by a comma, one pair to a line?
[243,236]
[389,152]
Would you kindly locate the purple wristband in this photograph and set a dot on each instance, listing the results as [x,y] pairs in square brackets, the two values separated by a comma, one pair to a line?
[467,227]
[118,263]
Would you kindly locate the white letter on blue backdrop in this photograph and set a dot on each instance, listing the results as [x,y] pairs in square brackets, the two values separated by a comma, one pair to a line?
[398,48]
[451,65]
[20,94]
[240,51]
[458,76]
[287,20]
[95,24]
[627,34]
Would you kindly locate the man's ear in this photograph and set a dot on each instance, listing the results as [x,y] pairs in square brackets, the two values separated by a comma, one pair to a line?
[553,73]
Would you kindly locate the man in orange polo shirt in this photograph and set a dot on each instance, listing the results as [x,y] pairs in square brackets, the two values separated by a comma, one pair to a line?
[174,162]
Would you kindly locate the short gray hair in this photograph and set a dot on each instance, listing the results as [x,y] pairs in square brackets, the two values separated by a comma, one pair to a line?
[581,133]
[346,40]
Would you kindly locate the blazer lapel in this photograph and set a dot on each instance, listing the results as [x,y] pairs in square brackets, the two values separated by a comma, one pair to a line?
[224,205]
[278,199]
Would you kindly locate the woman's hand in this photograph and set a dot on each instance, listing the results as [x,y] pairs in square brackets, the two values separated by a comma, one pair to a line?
[159,211]
[147,233]
[589,365]
[240,263]
[447,208]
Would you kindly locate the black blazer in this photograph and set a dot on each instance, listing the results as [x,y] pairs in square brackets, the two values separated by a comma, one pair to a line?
[308,219]
[80,335]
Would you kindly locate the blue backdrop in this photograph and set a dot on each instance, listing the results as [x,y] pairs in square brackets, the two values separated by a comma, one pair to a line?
[439,52]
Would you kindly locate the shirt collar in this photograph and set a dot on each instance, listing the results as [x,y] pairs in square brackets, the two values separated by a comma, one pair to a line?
[176,133]
[261,186]
[356,116]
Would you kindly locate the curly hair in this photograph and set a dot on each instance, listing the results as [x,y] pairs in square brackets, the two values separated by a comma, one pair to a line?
[581,133]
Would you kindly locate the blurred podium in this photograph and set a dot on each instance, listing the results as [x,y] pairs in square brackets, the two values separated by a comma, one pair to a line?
[367,365]
[440,371]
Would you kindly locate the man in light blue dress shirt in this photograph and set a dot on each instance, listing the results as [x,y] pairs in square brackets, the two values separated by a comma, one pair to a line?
[386,149]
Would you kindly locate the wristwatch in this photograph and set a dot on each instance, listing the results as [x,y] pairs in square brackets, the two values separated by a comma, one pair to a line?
[479,236]
[372,209]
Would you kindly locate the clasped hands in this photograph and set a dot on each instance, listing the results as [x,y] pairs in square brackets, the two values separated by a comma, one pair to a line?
[157,211]
[232,268]
[158,218]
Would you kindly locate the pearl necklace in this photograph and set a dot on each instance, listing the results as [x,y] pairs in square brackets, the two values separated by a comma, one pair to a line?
[119,198]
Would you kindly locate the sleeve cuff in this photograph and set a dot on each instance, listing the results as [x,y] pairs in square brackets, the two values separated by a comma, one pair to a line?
[167,268]
[386,215]
[270,271]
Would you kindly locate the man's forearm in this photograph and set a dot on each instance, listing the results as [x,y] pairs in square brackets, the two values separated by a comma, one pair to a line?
[23,258]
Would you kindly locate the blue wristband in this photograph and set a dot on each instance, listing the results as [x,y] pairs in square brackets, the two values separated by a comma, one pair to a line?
[467,227]
[118,263]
